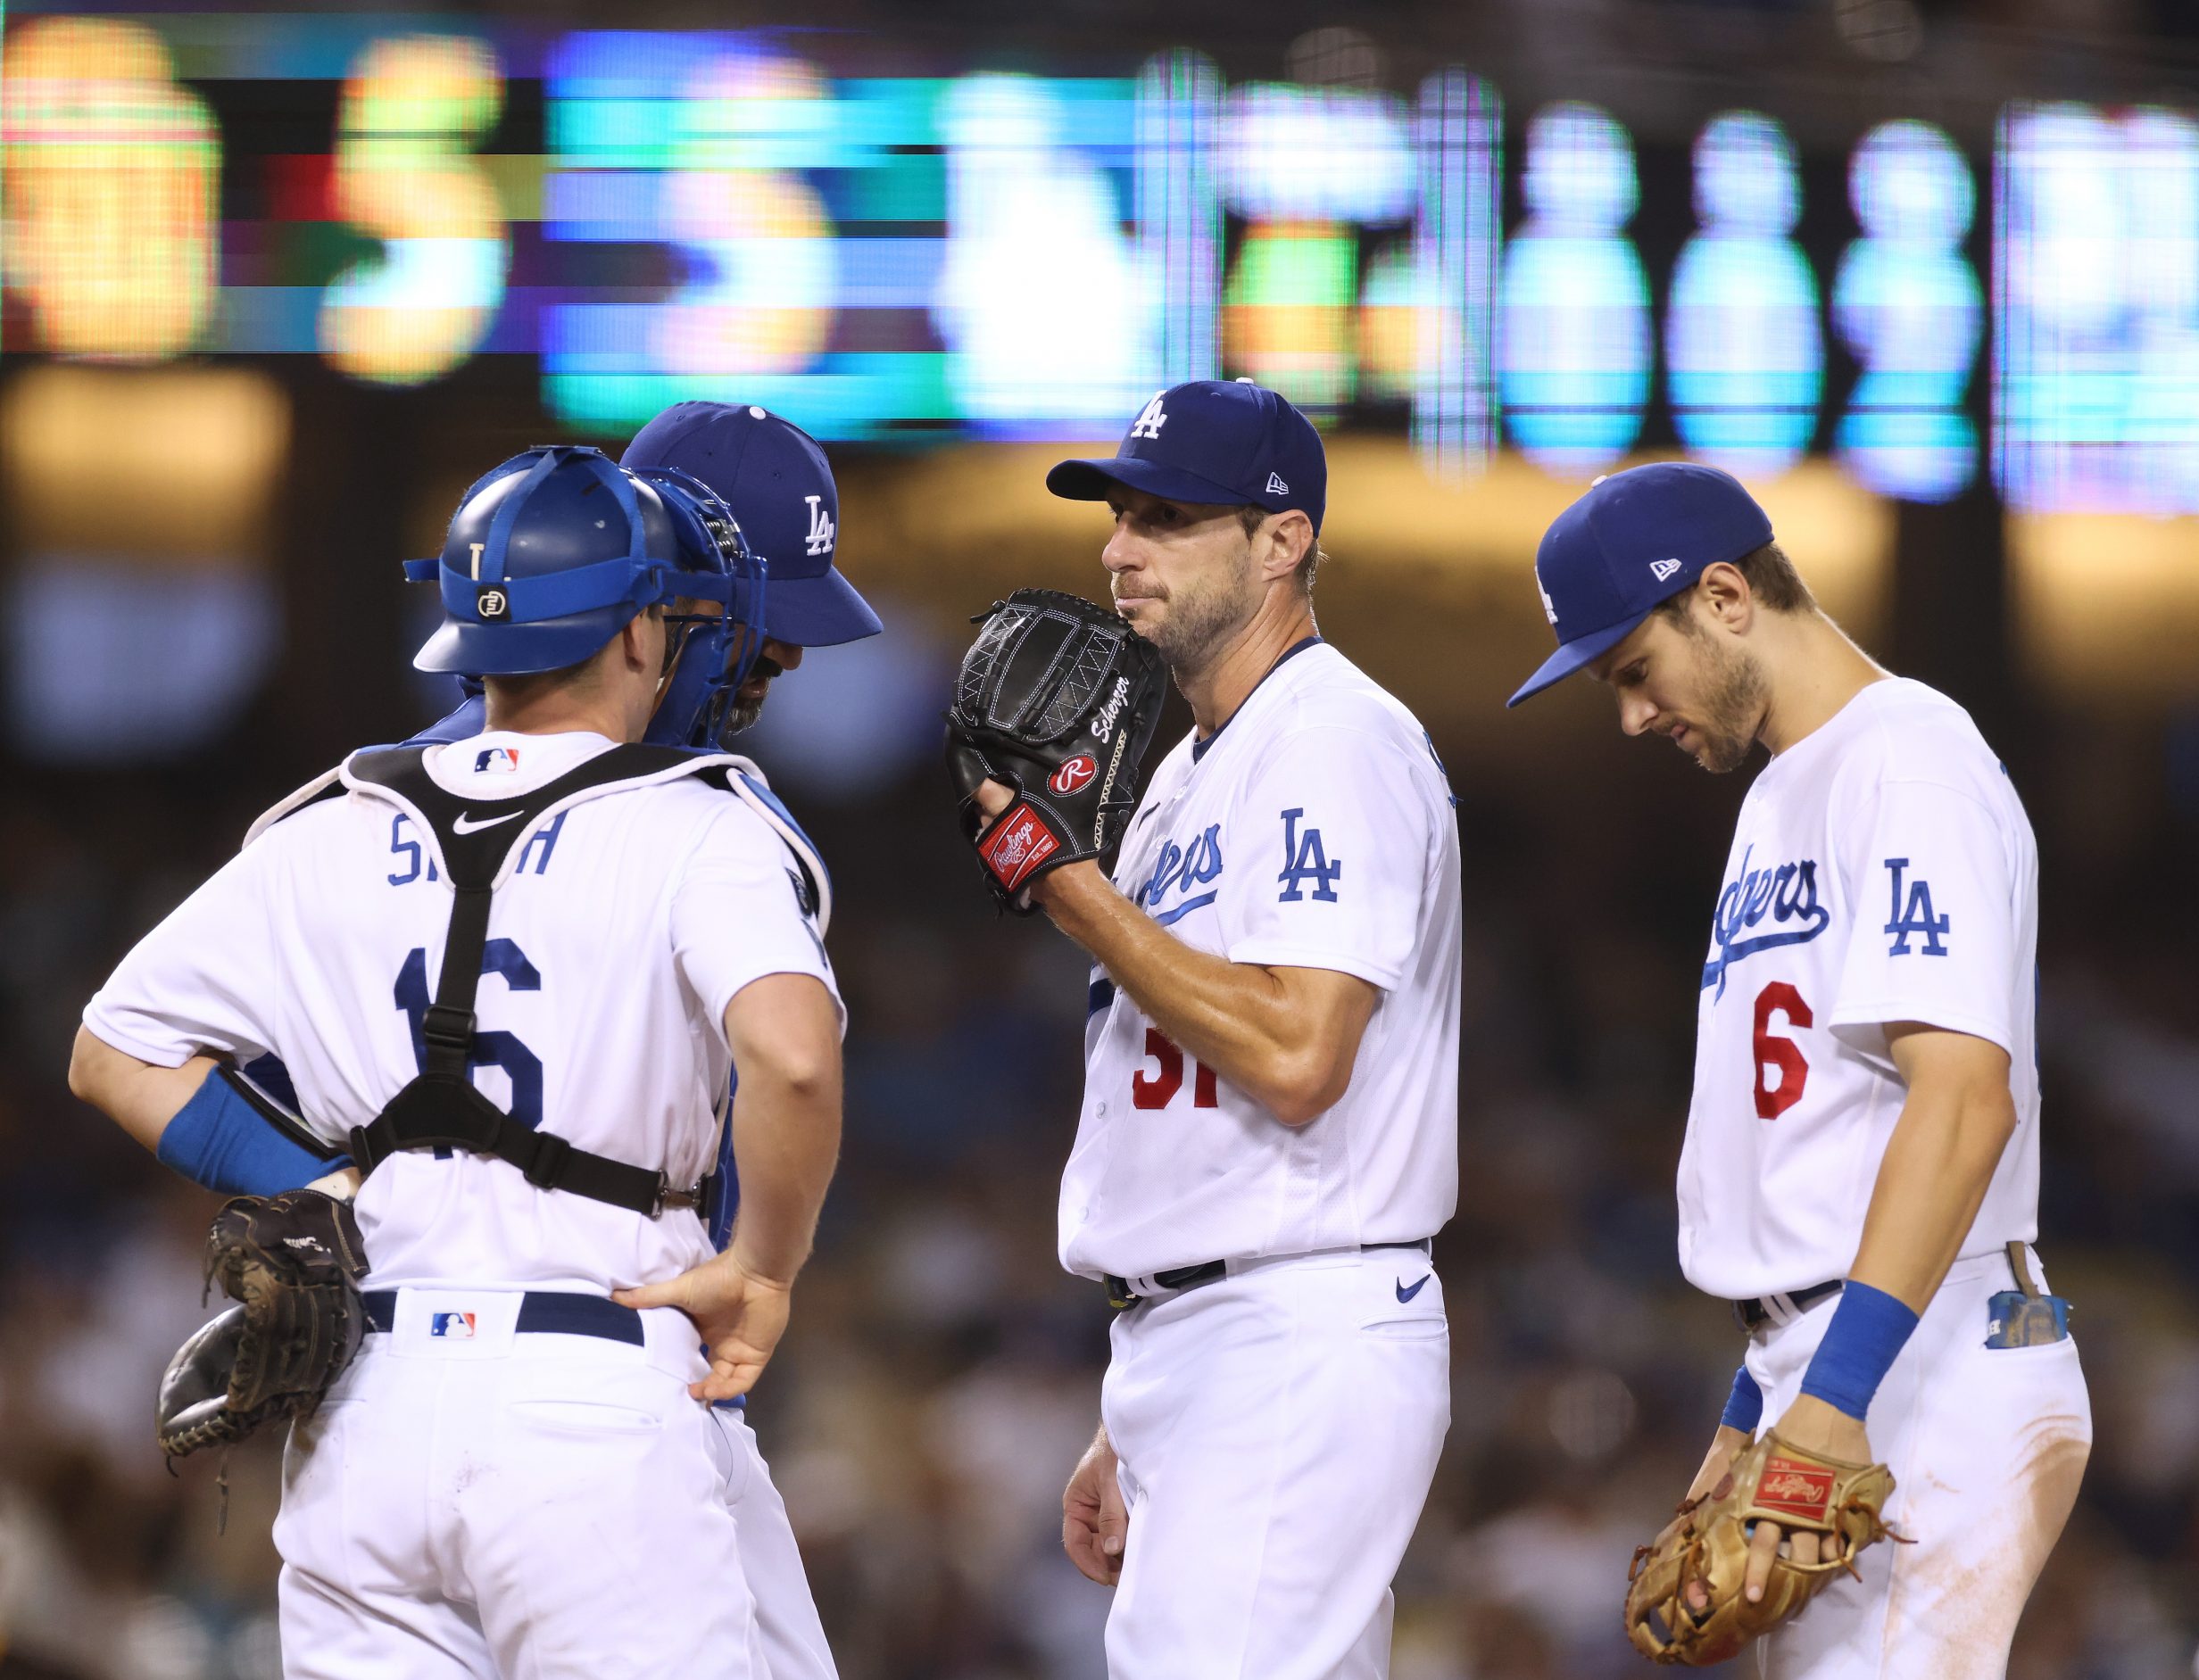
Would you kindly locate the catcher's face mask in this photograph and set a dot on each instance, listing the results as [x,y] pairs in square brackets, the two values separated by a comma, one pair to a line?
[708,649]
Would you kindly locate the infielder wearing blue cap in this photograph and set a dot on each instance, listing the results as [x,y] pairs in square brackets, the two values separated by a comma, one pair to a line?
[1635,540]
[1224,443]
[774,477]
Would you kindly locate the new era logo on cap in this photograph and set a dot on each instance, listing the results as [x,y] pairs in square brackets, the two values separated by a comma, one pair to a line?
[1663,569]
[1276,487]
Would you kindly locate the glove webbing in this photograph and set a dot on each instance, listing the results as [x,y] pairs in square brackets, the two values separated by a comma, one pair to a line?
[439,1108]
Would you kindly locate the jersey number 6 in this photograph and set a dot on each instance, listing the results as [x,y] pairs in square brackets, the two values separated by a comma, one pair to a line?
[1158,1088]
[1780,998]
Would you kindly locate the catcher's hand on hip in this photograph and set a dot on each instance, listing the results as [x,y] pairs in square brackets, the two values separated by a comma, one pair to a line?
[741,1314]
[1095,1523]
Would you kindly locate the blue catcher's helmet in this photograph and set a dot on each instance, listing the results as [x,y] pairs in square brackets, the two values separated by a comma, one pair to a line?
[551,554]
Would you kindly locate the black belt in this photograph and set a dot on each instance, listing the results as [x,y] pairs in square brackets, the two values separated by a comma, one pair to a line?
[542,1312]
[1760,1310]
[1122,1298]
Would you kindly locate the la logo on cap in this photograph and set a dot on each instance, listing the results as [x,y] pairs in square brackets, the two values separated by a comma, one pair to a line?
[1549,607]
[1151,418]
[819,540]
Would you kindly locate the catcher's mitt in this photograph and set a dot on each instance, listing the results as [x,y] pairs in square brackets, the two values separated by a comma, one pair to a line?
[1769,1481]
[1059,699]
[293,1262]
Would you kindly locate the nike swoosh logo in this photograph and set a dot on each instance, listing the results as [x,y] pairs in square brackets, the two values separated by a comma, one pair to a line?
[1406,1294]
[467,826]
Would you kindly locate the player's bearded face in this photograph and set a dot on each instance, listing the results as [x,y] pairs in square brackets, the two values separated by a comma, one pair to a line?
[1724,702]
[1183,575]
[1692,684]
[772,660]
[1708,693]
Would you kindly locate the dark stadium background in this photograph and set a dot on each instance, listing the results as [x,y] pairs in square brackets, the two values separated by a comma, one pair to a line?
[941,1373]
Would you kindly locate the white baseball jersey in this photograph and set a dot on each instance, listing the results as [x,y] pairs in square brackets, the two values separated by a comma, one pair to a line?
[1883,870]
[628,921]
[1315,830]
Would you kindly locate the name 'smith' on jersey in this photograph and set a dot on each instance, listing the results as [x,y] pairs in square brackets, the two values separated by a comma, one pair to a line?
[321,941]
[1314,830]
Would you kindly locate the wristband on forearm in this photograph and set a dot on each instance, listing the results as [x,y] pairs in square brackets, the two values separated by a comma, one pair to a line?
[1745,1405]
[221,1139]
[1869,1329]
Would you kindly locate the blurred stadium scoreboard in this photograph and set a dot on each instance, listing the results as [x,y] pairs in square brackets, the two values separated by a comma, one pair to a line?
[657,215]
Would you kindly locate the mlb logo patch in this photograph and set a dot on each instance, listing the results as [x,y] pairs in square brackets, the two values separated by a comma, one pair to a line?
[457,1326]
[502,759]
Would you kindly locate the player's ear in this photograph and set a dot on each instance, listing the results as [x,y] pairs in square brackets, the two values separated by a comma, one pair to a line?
[1724,592]
[629,648]
[1288,538]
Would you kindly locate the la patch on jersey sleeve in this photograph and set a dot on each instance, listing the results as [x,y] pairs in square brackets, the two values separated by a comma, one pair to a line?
[1329,857]
[1936,917]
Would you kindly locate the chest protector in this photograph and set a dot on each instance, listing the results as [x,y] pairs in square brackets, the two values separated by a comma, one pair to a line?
[477,839]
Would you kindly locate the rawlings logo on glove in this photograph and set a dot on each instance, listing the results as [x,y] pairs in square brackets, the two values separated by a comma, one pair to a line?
[1685,1602]
[1058,700]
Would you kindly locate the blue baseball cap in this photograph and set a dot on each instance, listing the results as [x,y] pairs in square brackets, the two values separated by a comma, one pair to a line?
[776,480]
[1636,539]
[1226,442]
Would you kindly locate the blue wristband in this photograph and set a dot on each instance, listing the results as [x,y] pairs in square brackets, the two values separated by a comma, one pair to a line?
[1745,1405]
[220,1140]
[1868,1331]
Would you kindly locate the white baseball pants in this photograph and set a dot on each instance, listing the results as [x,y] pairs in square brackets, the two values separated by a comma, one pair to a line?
[1278,1430]
[532,1506]
[1986,1446]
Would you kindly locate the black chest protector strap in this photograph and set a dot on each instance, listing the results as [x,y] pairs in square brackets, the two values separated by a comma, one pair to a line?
[439,1109]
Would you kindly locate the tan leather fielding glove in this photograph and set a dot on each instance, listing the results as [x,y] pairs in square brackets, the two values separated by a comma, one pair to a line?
[1769,1481]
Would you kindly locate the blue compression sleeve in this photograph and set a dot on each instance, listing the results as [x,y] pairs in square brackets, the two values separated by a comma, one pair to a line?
[1745,1405]
[219,1140]
[1867,1333]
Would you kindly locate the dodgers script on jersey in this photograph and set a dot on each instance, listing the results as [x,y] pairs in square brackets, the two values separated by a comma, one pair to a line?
[1315,830]
[319,943]
[1883,870]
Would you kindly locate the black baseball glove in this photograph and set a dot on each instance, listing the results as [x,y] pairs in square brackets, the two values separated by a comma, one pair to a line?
[293,1262]
[1059,699]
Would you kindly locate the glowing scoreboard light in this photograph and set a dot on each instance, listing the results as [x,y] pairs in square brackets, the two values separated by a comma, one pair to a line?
[1907,305]
[1010,255]
[721,152]
[1365,264]
[1742,347]
[862,254]
[1575,353]
[413,109]
[111,171]
[2096,306]
[1306,169]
